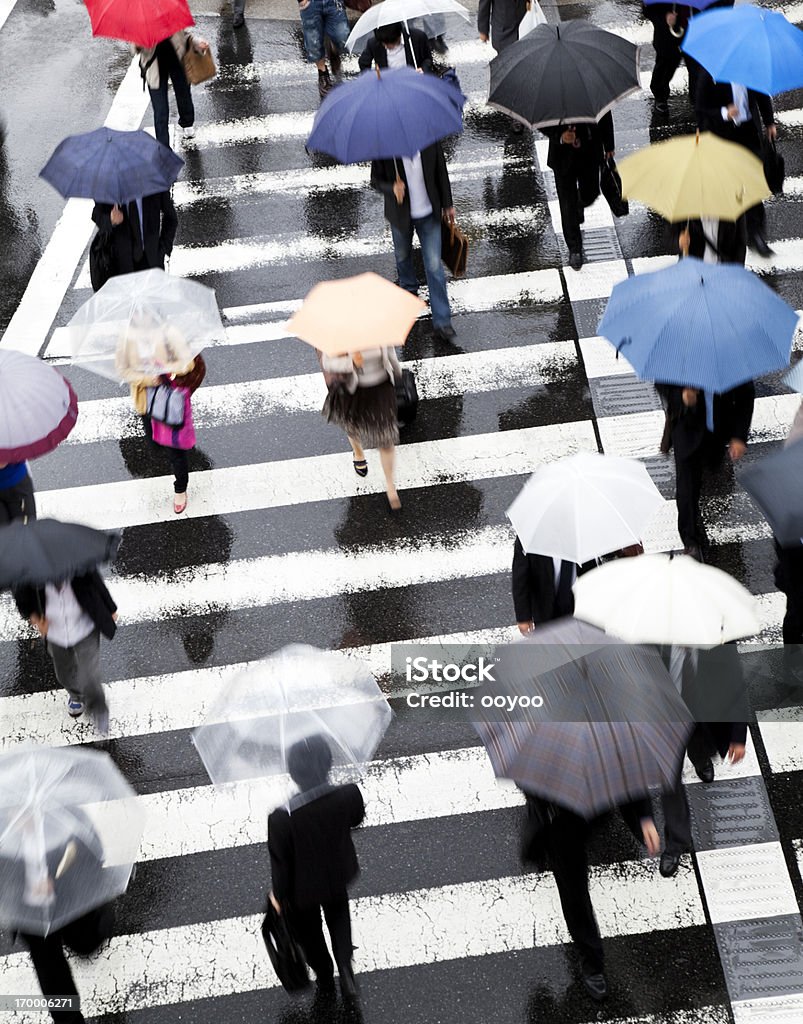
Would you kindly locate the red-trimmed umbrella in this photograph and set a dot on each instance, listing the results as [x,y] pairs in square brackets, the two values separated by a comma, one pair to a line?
[142,22]
[38,408]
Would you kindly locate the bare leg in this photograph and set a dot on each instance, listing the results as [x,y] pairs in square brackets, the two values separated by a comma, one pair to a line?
[359,454]
[387,457]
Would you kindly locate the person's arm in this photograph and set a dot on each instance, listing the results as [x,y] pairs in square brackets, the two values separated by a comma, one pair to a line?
[379,180]
[638,815]
[167,232]
[444,185]
[366,57]
[738,742]
[26,602]
[520,581]
[424,55]
[357,808]
[742,402]
[484,19]
[107,217]
[764,104]
[98,583]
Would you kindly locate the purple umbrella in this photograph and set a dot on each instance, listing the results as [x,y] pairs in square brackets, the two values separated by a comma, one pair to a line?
[38,408]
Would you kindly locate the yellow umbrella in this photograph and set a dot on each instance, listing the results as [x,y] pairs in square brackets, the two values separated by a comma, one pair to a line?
[355,314]
[695,176]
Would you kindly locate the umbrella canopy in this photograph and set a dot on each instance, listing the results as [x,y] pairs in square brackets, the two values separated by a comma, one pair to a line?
[142,22]
[38,408]
[694,176]
[111,166]
[700,325]
[572,72]
[355,313]
[47,551]
[144,324]
[322,704]
[380,116]
[611,726]
[698,5]
[776,484]
[583,506]
[391,11]
[666,599]
[752,45]
[794,379]
[70,829]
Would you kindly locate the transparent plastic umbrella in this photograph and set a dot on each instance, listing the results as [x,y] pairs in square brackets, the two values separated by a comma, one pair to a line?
[70,829]
[392,11]
[295,694]
[141,325]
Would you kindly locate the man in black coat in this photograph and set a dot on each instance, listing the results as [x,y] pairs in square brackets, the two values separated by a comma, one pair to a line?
[140,234]
[696,447]
[390,42]
[669,23]
[500,20]
[542,587]
[418,196]
[576,153]
[71,615]
[313,861]
[737,114]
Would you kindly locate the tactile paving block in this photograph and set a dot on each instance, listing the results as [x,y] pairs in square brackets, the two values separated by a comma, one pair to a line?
[601,244]
[587,314]
[730,813]
[747,883]
[762,958]
[619,396]
[773,1010]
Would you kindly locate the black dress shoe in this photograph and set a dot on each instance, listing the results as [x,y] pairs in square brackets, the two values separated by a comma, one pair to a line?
[759,243]
[238,21]
[348,986]
[596,986]
[669,863]
[705,770]
[575,259]
[447,333]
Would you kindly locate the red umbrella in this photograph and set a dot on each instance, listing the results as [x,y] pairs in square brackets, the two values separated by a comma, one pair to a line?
[142,22]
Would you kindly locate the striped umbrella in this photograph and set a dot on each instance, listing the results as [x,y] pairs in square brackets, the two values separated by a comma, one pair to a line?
[38,408]
[610,726]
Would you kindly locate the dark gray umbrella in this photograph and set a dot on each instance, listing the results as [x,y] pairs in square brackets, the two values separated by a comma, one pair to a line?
[776,485]
[563,74]
[612,724]
[47,551]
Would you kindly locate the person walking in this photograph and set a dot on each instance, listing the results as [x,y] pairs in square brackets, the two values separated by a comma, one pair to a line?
[418,196]
[71,615]
[499,20]
[557,838]
[16,493]
[712,240]
[576,154]
[736,114]
[320,20]
[696,447]
[179,441]
[161,64]
[140,234]
[313,862]
[362,402]
[669,24]
[542,587]
[394,46]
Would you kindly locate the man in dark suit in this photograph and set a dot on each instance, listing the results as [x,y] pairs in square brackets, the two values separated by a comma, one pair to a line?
[542,587]
[669,23]
[70,616]
[499,20]
[395,46]
[558,840]
[736,114]
[141,233]
[418,195]
[696,447]
[313,861]
[576,153]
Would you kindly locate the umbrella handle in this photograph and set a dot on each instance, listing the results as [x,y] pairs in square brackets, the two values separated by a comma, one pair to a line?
[678,33]
[398,180]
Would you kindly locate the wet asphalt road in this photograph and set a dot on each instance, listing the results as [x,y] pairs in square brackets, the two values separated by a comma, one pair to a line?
[55,80]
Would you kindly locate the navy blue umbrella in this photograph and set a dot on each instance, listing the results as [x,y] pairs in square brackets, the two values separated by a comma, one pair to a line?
[111,167]
[381,116]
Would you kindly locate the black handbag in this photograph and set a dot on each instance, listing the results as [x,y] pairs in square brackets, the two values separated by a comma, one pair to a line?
[284,952]
[611,187]
[774,166]
[101,260]
[406,397]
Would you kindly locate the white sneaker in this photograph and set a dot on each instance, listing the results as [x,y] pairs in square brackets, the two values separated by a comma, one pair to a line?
[188,133]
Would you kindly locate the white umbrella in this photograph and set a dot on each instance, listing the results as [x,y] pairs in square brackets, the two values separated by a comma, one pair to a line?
[584,506]
[297,693]
[666,599]
[392,11]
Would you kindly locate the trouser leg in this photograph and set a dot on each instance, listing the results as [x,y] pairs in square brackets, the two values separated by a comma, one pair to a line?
[666,64]
[677,822]
[567,854]
[688,483]
[180,463]
[308,931]
[161,112]
[569,202]
[53,972]
[403,251]
[338,921]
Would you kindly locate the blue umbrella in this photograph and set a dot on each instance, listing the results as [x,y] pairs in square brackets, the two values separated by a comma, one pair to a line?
[111,167]
[700,325]
[378,117]
[752,45]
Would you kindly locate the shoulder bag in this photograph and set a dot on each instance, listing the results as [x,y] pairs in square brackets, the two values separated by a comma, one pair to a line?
[774,166]
[101,260]
[406,397]
[166,405]
[199,67]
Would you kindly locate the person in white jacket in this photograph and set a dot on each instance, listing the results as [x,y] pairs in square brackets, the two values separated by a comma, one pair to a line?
[362,401]
[161,64]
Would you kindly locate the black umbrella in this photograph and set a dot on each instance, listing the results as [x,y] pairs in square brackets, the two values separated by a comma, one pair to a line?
[562,74]
[47,551]
[776,485]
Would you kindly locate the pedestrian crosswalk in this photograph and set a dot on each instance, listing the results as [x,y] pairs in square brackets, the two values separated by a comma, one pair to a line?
[283,543]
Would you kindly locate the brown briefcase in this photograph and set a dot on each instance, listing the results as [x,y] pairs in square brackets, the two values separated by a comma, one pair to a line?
[454,248]
[199,67]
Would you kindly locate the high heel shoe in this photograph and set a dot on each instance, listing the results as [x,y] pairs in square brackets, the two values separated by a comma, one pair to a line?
[180,503]
[360,467]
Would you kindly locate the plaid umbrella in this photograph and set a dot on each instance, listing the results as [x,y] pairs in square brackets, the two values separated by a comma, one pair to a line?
[612,724]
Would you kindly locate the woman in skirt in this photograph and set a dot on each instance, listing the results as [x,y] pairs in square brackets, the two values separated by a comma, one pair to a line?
[362,401]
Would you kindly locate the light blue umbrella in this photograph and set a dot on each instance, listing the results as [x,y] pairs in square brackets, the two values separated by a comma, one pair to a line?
[752,45]
[700,325]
